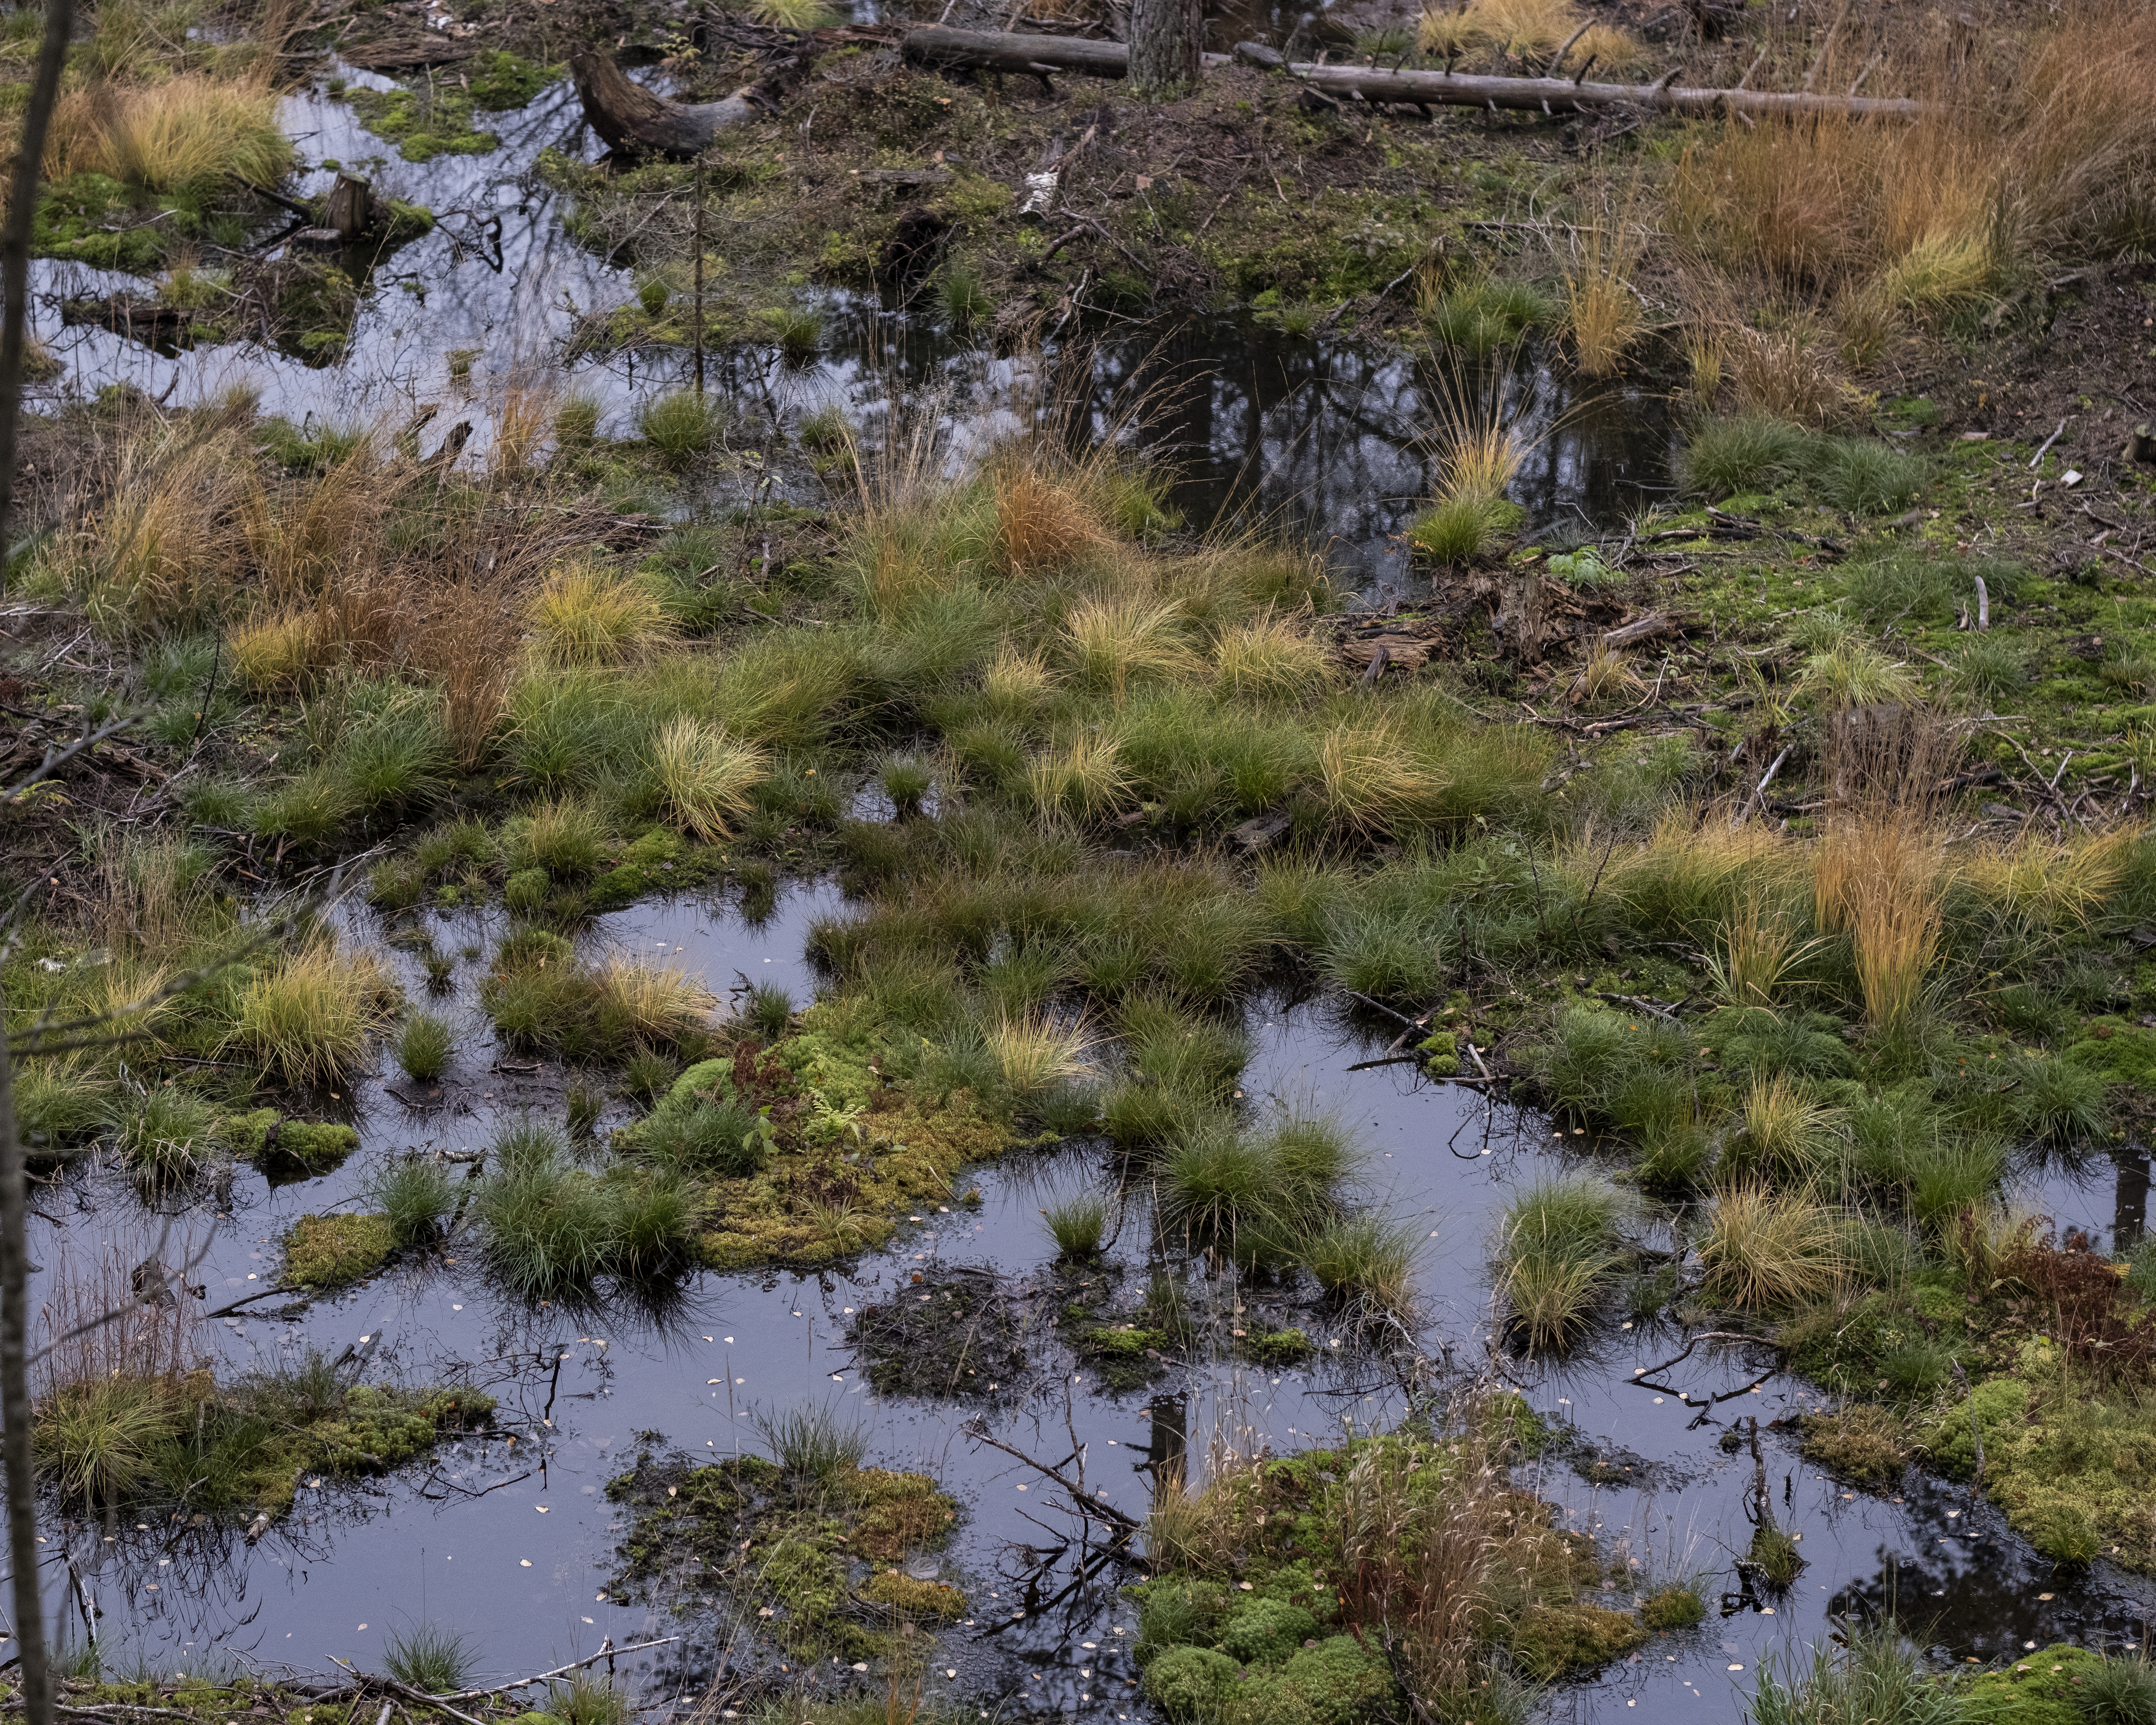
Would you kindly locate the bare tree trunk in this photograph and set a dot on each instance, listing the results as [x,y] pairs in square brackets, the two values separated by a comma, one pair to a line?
[16,1459]
[1165,38]
[15,270]
[15,1408]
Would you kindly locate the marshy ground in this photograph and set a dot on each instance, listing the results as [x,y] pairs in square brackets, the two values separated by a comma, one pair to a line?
[1439,821]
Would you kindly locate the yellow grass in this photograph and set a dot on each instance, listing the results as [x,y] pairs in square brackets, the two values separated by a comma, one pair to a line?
[587,615]
[1271,655]
[1035,1053]
[1016,681]
[320,531]
[1604,311]
[1112,642]
[1879,872]
[1086,778]
[275,652]
[308,1020]
[662,1001]
[193,127]
[1767,1250]
[2050,882]
[168,547]
[1482,459]
[705,775]
[1607,675]
[1374,780]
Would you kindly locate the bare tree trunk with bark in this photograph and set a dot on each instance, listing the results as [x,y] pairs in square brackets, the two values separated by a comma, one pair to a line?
[1165,36]
[16,1459]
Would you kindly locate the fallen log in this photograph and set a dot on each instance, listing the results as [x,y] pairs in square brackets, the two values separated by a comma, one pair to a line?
[1004,51]
[997,51]
[630,118]
[1562,95]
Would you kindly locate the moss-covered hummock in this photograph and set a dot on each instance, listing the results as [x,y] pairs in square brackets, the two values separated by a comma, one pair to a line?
[848,1156]
[822,1561]
[1276,1587]
[287,1147]
[331,1251]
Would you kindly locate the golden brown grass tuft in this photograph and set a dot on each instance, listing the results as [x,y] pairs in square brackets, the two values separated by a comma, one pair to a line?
[1375,779]
[161,135]
[588,615]
[1765,1250]
[2049,880]
[1879,871]
[1112,643]
[165,550]
[705,775]
[1041,524]
[1271,655]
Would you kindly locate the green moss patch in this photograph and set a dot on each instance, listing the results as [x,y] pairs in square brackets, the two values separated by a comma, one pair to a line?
[285,1149]
[331,1251]
[820,1565]
[1551,1640]
[436,119]
[1865,1443]
[849,1155]
[2044,1688]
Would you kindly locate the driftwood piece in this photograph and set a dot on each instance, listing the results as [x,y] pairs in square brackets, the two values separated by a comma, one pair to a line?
[998,51]
[1639,629]
[630,118]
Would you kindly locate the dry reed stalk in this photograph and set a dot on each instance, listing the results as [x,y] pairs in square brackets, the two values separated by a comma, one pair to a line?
[155,1338]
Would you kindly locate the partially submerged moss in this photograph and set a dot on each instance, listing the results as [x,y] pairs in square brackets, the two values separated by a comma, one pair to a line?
[1864,1442]
[825,1566]
[243,1448]
[1551,1640]
[288,1148]
[1247,1600]
[330,1251]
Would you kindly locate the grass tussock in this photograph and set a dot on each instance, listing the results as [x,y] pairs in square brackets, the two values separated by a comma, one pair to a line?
[1765,1250]
[308,1018]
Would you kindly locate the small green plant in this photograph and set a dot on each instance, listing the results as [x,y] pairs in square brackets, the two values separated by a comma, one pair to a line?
[166,1132]
[812,1443]
[429,1658]
[1987,669]
[413,1193]
[1585,568]
[423,1047]
[652,295]
[1749,453]
[1458,530]
[965,300]
[768,1011]
[907,780]
[585,1102]
[798,332]
[1775,1556]
[1077,1225]
[1862,475]
[681,426]
[647,1072]
[1674,1607]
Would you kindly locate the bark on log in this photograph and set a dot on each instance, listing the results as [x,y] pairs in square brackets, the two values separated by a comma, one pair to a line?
[1001,51]
[630,118]
[995,51]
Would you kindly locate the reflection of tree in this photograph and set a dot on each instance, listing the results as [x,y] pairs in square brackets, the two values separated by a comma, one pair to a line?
[1336,440]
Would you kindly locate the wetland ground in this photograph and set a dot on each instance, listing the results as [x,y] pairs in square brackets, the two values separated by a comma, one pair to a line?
[1368,934]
